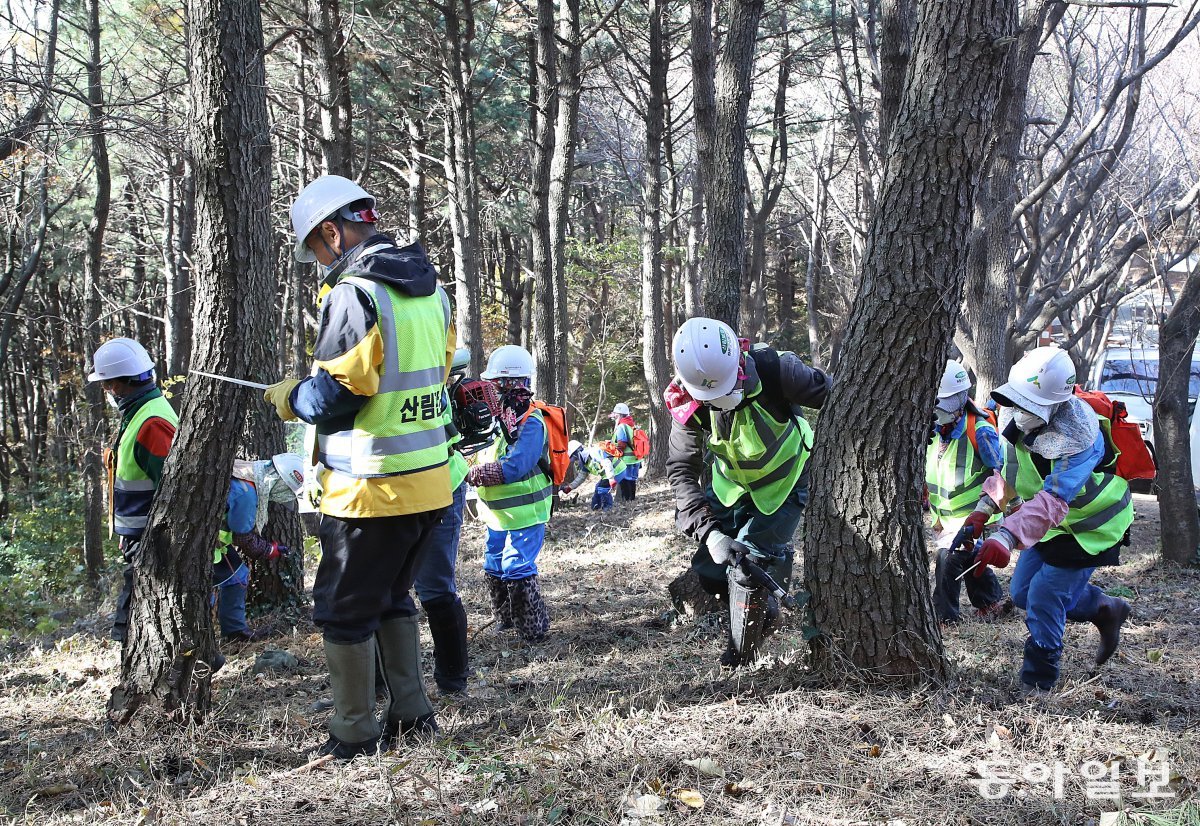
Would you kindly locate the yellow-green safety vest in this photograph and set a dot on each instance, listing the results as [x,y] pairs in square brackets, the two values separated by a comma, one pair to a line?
[401,429]
[1098,517]
[520,504]
[132,490]
[955,475]
[762,456]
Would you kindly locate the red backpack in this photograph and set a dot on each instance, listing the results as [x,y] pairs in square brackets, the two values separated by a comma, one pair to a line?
[641,444]
[1133,457]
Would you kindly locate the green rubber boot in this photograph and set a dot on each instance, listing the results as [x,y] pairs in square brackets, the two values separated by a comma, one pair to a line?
[410,711]
[353,729]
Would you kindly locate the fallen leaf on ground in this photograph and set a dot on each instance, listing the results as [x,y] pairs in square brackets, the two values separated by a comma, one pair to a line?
[56,788]
[646,804]
[706,765]
[690,797]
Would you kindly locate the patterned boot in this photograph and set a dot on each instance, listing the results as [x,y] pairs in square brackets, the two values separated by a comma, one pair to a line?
[501,606]
[529,610]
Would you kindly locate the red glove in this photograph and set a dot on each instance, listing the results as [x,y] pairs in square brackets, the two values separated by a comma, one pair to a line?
[995,552]
[975,521]
[276,551]
[564,490]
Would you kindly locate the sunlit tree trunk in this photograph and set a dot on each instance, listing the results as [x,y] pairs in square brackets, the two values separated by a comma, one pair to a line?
[165,661]
[866,564]
[93,496]
[1172,437]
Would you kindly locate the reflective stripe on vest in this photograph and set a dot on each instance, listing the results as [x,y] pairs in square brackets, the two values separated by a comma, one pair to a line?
[1097,517]
[520,504]
[133,491]
[402,428]
[954,476]
[762,457]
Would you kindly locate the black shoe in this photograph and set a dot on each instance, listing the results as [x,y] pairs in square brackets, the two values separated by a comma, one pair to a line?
[249,635]
[1109,617]
[346,751]
[393,731]
[218,662]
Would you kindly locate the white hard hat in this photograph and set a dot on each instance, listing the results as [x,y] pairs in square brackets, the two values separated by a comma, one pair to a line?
[290,468]
[954,380]
[120,358]
[707,357]
[1043,378]
[620,409]
[573,446]
[319,200]
[509,362]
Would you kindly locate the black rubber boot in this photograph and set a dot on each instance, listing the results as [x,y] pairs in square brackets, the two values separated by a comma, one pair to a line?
[448,627]
[1109,617]
[501,607]
[528,609]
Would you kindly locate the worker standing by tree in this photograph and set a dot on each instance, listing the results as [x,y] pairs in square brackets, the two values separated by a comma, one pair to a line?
[738,405]
[1075,516]
[964,451]
[135,460]
[623,438]
[515,494]
[376,396]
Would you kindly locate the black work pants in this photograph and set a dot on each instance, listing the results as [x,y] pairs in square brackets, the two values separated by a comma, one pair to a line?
[366,572]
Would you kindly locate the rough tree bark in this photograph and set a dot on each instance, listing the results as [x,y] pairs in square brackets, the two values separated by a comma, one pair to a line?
[568,77]
[544,54]
[93,496]
[895,50]
[725,189]
[654,344]
[1172,437]
[332,72]
[461,175]
[990,297]
[865,562]
[164,664]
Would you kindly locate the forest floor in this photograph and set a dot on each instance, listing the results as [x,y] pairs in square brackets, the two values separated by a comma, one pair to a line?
[621,718]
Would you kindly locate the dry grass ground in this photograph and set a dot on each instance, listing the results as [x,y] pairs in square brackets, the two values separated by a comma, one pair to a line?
[620,720]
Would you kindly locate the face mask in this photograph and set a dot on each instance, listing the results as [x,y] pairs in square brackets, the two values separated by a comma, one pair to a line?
[1027,422]
[730,401]
[945,417]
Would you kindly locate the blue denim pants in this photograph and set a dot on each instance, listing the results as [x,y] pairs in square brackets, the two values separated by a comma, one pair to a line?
[1049,596]
[230,597]
[512,555]
[435,572]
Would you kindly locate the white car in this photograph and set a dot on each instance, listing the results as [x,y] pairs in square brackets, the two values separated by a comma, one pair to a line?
[1130,375]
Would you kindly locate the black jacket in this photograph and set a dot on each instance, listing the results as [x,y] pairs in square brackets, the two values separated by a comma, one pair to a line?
[787,382]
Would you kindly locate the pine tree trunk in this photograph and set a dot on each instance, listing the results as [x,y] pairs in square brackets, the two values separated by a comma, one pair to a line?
[93,482]
[562,165]
[544,312]
[1172,437]
[165,661]
[461,176]
[654,344]
[332,74]
[725,189]
[991,295]
[866,563]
